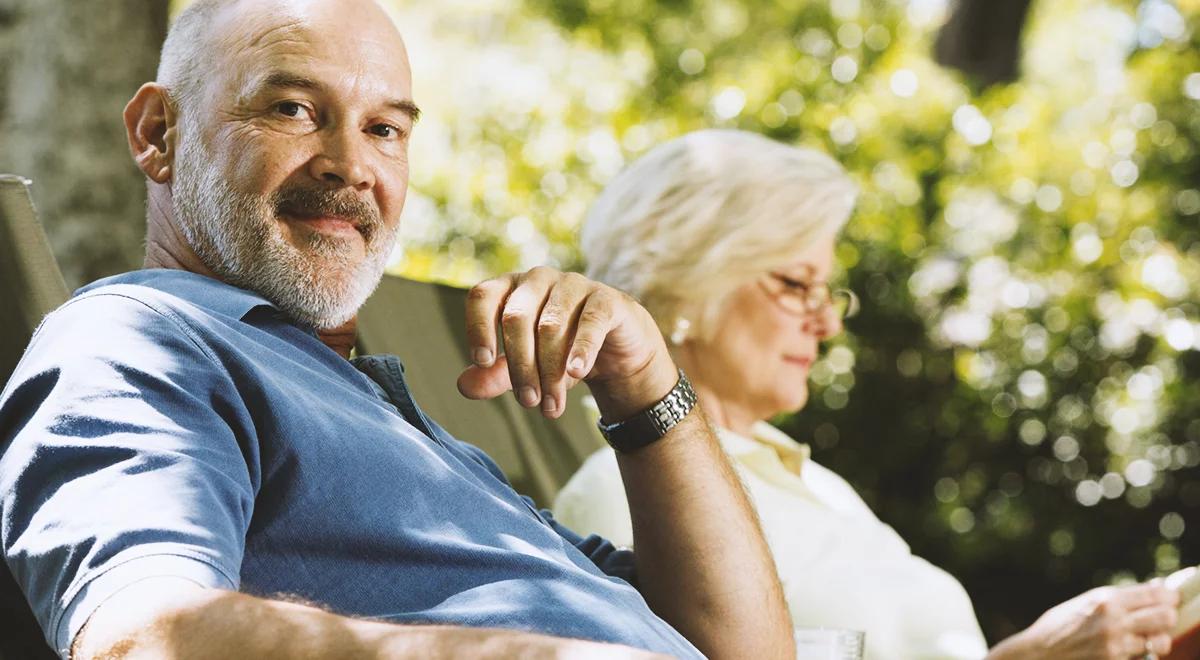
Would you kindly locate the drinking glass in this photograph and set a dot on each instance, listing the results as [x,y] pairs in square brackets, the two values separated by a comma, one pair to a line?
[828,644]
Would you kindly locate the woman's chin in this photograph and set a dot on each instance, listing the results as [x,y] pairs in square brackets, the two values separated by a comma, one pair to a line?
[794,402]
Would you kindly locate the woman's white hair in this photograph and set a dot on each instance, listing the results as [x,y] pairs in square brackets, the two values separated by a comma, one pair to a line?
[699,216]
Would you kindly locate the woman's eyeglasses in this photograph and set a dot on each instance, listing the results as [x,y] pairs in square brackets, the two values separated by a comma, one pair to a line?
[809,297]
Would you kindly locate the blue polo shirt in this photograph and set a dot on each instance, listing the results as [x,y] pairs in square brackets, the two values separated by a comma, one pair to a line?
[163,423]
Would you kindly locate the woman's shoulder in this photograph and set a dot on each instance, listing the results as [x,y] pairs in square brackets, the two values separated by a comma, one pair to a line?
[834,489]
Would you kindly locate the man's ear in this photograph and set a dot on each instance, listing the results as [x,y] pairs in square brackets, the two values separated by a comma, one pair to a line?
[150,126]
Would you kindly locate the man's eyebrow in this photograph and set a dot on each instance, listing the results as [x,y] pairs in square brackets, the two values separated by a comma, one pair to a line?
[288,80]
[407,107]
[285,79]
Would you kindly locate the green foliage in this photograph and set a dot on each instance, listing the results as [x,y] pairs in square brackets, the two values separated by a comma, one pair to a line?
[1019,395]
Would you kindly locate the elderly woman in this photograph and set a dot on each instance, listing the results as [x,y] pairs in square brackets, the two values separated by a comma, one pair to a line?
[728,238]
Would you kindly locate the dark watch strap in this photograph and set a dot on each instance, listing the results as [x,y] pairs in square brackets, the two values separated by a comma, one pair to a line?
[653,422]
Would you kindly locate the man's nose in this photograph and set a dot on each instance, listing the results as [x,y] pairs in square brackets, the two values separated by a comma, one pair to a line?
[342,161]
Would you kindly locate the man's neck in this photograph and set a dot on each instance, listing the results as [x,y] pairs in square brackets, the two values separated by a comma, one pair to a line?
[166,246]
[342,338]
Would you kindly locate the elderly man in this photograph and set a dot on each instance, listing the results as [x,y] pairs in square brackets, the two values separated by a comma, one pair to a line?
[193,468]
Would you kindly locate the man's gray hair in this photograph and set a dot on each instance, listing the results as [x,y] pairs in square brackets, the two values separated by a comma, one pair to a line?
[701,215]
[187,53]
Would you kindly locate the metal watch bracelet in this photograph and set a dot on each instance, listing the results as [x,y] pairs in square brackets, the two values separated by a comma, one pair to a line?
[654,422]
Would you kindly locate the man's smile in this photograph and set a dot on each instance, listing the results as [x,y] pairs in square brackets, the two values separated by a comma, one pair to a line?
[326,224]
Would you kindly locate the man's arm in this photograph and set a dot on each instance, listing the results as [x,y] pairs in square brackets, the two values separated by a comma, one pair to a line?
[174,618]
[703,565]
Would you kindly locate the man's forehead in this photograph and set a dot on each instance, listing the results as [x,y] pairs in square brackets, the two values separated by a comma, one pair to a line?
[314,36]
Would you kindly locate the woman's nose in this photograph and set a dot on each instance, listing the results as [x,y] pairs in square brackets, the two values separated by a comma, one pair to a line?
[824,323]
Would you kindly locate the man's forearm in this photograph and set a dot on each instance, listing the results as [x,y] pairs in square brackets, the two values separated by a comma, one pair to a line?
[169,618]
[702,562]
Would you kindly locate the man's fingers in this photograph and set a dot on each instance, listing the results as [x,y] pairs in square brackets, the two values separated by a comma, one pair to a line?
[484,302]
[555,329]
[552,326]
[596,320]
[485,382]
[518,322]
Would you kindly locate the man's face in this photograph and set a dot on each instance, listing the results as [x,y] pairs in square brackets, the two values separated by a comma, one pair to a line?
[292,167]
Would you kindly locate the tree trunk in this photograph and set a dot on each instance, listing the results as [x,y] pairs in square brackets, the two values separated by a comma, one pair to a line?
[67,68]
[982,39]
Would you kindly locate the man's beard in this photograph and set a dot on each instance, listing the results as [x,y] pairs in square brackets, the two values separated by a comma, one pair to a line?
[238,236]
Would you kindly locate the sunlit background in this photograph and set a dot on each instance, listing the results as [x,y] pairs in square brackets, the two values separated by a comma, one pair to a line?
[1019,396]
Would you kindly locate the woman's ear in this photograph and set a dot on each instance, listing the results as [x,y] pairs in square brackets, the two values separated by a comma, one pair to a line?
[150,126]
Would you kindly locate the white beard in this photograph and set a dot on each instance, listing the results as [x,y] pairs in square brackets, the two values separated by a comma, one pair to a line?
[238,236]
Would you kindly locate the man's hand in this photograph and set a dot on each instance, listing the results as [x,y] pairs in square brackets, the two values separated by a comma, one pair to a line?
[557,329]
[1107,622]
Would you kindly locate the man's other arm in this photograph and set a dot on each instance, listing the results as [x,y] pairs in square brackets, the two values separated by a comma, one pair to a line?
[126,497]
[173,618]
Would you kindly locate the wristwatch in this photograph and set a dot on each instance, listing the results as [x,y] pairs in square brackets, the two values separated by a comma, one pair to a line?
[652,423]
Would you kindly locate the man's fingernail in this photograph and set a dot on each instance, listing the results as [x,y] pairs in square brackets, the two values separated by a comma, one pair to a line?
[577,363]
[528,396]
[483,356]
[549,405]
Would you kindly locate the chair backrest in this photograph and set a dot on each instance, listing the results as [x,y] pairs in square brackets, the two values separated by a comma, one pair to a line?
[30,282]
[425,325]
[30,287]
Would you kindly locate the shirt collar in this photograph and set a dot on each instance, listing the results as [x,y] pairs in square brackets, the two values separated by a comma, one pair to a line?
[206,292]
[764,437]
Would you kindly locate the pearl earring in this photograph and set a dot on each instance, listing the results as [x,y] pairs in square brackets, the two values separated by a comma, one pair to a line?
[680,333]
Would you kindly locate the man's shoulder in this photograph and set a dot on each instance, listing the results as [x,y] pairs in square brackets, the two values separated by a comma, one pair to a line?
[170,292]
[130,318]
[118,330]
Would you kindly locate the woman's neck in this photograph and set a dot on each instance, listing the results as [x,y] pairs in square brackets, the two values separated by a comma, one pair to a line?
[723,412]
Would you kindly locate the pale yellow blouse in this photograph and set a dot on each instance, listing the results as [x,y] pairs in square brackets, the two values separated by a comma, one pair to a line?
[841,566]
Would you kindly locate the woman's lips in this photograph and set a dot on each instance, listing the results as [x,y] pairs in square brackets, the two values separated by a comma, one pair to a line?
[799,360]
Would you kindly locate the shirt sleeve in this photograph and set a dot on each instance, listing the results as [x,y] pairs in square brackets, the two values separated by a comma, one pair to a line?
[593,500]
[607,556]
[124,458]
[611,560]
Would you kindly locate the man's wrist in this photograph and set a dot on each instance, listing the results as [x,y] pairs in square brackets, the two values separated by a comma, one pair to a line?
[618,400]
[653,423]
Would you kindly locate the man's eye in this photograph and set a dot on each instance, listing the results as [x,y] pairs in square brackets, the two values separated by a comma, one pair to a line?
[289,109]
[385,131]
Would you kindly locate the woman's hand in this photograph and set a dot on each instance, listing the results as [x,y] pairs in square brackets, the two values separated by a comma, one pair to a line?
[1106,623]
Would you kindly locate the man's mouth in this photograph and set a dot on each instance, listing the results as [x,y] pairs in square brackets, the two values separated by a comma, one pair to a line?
[326,212]
[326,224]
